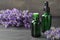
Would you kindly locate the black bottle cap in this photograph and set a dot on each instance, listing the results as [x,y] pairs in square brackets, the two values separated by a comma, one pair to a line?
[46,7]
[46,3]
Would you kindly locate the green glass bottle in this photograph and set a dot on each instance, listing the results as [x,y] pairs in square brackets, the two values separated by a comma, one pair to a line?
[35,29]
[46,18]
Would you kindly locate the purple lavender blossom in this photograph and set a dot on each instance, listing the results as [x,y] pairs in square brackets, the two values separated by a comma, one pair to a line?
[15,17]
[55,33]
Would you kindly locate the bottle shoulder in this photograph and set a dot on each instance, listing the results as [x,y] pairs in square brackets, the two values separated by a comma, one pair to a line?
[33,21]
[45,15]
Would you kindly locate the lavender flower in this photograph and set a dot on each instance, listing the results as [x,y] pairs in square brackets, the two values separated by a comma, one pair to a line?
[15,17]
[53,33]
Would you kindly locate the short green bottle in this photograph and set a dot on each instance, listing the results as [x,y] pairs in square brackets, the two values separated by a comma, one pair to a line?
[46,18]
[35,28]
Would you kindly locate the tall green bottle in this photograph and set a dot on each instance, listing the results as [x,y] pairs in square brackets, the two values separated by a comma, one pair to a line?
[46,18]
[35,29]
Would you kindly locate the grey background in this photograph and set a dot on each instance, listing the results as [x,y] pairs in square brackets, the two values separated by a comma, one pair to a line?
[33,6]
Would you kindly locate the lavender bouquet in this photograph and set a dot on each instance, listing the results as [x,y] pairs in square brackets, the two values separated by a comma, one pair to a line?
[53,34]
[15,17]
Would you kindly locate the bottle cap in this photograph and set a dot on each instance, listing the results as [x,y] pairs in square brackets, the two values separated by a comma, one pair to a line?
[35,14]
[46,3]
[46,7]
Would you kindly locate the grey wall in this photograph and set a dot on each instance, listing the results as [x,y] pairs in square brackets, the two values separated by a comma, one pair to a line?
[32,5]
